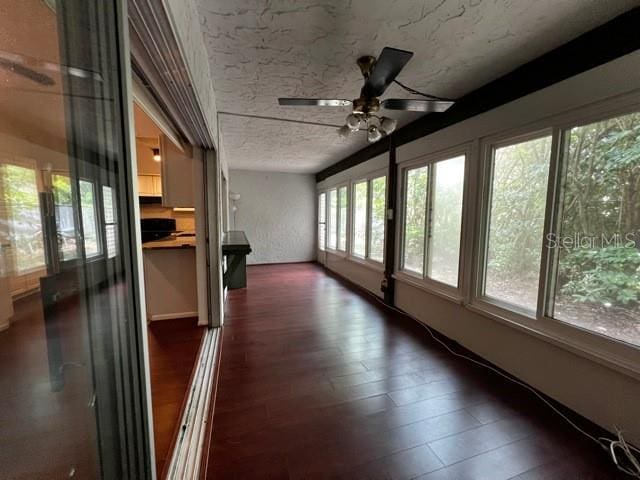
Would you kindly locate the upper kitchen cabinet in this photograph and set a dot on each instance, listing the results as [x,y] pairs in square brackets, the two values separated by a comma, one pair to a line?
[176,174]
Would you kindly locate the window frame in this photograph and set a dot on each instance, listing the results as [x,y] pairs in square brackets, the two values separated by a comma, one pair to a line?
[98,218]
[375,176]
[368,178]
[30,164]
[328,246]
[423,281]
[352,253]
[553,224]
[336,250]
[347,220]
[590,344]
[319,194]
[488,147]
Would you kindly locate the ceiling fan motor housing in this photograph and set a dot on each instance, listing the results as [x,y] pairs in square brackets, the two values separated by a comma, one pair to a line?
[366,64]
[366,105]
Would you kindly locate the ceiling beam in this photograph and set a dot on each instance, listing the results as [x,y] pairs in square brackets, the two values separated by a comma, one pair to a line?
[603,44]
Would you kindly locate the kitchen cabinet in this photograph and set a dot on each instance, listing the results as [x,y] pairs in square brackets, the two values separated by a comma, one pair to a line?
[177,175]
[149,185]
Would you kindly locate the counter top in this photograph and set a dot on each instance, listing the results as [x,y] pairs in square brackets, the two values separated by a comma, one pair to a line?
[171,242]
[235,242]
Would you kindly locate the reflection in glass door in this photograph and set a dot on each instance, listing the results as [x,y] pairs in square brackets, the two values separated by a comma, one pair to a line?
[71,388]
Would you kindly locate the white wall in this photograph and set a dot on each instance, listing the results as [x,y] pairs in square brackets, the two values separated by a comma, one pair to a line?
[601,386]
[277,211]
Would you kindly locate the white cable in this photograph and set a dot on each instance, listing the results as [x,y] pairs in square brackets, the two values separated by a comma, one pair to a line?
[606,443]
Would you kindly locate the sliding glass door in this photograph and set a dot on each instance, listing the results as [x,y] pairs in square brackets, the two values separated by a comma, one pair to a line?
[71,377]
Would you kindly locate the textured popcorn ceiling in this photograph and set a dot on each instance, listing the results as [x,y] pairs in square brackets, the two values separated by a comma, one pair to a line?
[261,50]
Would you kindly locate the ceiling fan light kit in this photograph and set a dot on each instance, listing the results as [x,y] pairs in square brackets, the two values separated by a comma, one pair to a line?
[378,75]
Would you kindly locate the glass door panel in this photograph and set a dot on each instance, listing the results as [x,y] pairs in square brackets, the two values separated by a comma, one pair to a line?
[71,389]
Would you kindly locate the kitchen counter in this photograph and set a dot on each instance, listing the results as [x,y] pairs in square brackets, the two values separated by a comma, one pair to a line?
[172,242]
[235,248]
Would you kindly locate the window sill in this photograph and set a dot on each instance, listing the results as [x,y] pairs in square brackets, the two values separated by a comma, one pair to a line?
[452,294]
[610,353]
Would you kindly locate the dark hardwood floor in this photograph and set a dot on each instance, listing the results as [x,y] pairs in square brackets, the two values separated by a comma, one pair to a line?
[173,348]
[318,380]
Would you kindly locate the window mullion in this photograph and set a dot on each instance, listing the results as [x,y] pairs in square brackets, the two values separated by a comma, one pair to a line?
[427,223]
[549,258]
[367,228]
[484,220]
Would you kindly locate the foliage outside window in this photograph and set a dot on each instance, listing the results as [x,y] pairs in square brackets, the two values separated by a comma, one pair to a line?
[360,197]
[21,233]
[322,220]
[433,219]
[415,210]
[342,225]
[598,241]
[377,220]
[446,226]
[516,222]
[333,219]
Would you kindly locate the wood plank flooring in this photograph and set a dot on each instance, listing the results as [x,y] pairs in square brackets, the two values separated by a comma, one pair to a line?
[318,380]
[173,348]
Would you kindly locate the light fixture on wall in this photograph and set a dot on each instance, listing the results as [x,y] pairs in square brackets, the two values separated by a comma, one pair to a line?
[156,154]
[234,197]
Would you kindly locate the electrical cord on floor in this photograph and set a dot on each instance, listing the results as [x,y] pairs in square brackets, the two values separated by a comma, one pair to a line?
[627,462]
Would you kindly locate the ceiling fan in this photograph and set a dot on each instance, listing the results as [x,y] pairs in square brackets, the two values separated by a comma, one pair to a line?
[378,75]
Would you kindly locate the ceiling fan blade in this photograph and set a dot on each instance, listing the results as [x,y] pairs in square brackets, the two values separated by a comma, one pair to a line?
[387,67]
[416,105]
[318,102]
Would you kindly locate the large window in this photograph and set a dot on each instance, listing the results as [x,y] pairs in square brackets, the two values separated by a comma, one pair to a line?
[360,197]
[519,176]
[333,219]
[597,244]
[433,219]
[415,214]
[377,218]
[369,207]
[21,233]
[322,220]
[342,223]
[446,220]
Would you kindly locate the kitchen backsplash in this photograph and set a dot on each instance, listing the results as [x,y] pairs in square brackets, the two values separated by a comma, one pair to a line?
[184,220]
